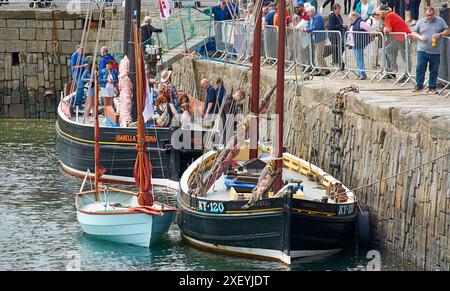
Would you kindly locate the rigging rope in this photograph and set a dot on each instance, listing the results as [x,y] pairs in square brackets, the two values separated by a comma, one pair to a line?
[399,173]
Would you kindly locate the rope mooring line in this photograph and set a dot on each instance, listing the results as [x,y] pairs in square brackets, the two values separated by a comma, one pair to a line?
[398,174]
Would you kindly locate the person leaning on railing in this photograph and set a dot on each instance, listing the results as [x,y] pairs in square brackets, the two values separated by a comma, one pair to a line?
[394,23]
[147,30]
[429,31]
[376,41]
[359,40]
[317,23]
[336,23]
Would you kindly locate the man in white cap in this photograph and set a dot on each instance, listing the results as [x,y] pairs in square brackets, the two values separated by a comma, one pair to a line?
[173,95]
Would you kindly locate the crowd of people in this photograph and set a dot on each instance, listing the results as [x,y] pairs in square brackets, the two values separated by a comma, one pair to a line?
[367,21]
[364,16]
[169,104]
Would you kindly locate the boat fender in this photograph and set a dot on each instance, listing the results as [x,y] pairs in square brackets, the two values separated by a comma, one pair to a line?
[363,226]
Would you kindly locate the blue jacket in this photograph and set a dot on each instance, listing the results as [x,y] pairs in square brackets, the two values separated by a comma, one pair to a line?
[316,23]
[77,60]
[269,17]
[85,78]
[219,14]
[360,40]
[103,77]
[335,22]
[104,59]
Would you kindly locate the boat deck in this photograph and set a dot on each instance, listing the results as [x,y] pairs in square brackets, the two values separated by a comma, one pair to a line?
[311,190]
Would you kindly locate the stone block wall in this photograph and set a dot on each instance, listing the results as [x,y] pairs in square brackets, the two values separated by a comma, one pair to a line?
[410,213]
[35,51]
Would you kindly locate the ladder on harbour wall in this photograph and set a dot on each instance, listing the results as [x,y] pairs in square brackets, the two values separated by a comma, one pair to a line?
[335,136]
[337,131]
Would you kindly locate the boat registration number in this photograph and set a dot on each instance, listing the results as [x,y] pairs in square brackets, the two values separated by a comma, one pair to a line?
[213,207]
[346,209]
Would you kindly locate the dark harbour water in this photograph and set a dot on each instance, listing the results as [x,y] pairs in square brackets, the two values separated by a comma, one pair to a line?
[39,230]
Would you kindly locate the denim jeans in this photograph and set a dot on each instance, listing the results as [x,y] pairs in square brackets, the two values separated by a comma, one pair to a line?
[433,60]
[359,56]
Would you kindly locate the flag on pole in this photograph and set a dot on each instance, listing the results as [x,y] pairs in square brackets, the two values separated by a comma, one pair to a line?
[164,9]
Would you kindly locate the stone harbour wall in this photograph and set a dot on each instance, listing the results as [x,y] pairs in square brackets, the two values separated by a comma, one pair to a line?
[384,133]
[35,51]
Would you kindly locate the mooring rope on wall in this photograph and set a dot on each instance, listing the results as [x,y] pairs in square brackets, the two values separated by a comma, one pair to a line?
[398,174]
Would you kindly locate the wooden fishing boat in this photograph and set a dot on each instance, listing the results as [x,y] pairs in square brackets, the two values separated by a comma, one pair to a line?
[118,217]
[75,140]
[299,220]
[286,209]
[121,215]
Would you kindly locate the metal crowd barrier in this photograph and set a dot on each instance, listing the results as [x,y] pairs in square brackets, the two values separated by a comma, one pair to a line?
[396,43]
[270,40]
[444,68]
[356,52]
[219,28]
[302,47]
[362,53]
[412,51]
[326,51]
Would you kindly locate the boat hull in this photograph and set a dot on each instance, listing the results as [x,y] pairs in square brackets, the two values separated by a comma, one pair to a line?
[136,229]
[75,147]
[275,229]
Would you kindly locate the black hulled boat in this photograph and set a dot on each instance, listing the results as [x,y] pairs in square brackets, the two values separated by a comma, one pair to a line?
[286,210]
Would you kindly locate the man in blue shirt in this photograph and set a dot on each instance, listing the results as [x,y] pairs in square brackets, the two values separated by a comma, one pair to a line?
[210,106]
[316,26]
[268,19]
[226,10]
[77,63]
[429,31]
[220,11]
[105,57]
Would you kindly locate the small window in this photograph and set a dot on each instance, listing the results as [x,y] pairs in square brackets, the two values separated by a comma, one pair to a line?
[15,59]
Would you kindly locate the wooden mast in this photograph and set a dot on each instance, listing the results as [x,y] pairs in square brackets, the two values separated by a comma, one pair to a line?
[96,135]
[279,110]
[256,69]
[140,138]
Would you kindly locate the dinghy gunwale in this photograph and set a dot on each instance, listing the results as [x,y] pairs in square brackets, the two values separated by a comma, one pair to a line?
[164,207]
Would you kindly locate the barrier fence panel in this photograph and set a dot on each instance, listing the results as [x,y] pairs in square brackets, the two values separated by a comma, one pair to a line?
[412,46]
[394,67]
[229,38]
[239,44]
[302,42]
[444,67]
[326,51]
[219,28]
[270,36]
[363,53]
[317,50]
[248,39]
[289,56]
